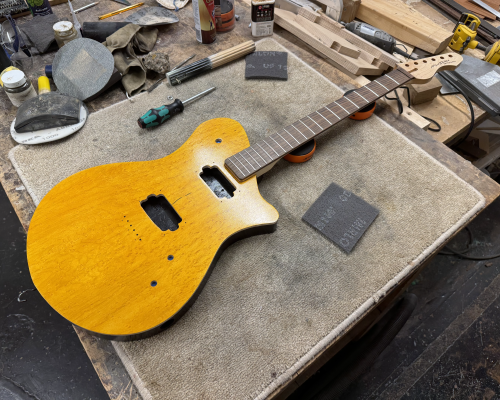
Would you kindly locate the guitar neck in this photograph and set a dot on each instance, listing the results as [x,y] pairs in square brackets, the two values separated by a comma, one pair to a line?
[261,155]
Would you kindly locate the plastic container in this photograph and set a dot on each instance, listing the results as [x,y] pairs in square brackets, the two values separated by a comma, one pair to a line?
[7,70]
[224,15]
[204,20]
[18,87]
[64,32]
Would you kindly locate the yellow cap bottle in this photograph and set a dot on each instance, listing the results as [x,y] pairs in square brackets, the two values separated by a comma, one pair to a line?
[43,85]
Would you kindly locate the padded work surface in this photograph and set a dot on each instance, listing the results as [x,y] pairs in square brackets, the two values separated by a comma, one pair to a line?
[341,216]
[273,302]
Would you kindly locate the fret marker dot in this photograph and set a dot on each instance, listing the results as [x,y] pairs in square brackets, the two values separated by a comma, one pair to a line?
[170,258]
[154,283]
[218,140]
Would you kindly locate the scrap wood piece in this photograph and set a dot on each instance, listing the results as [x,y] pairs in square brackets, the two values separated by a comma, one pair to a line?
[383,59]
[286,20]
[405,23]
[328,38]
[422,93]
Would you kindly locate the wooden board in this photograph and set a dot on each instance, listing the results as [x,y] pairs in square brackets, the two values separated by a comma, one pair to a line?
[286,19]
[328,38]
[404,23]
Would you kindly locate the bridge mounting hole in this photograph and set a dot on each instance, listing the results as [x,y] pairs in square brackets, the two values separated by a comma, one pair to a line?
[218,140]
[170,258]
[154,283]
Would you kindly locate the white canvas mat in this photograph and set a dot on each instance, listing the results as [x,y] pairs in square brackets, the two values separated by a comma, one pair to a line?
[273,301]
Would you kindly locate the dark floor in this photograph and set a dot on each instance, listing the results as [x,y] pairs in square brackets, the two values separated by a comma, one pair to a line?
[448,349]
[41,357]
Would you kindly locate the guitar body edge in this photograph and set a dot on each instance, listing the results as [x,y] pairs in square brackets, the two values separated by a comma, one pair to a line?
[256,230]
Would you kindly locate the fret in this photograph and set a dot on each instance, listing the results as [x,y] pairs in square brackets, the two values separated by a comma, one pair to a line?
[388,76]
[291,136]
[271,147]
[242,163]
[284,140]
[245,164]
[278,144]
[376,95]
[256,162]
[232,162]
[320,127]
[249,162]
[299,131]
[347,98]
[357,92]
[342,107]
[256,152]
[314,133]
[329,123]
[258,144]
[376,80]
[332,112]
[368,94]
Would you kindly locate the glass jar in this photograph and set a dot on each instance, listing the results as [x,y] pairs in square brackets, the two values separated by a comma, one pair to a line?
[64,32]
[18,87]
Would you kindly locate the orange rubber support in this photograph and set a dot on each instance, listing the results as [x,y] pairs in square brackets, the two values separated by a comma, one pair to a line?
[365,112]
[303,153]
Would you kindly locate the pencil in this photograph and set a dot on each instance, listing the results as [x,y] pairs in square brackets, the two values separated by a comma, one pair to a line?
[120,10]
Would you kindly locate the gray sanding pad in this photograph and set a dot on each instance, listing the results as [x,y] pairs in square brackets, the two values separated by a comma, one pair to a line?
[341,216]
[82,67]
[267,65]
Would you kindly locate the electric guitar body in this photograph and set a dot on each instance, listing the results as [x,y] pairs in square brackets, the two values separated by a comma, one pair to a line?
[122,250]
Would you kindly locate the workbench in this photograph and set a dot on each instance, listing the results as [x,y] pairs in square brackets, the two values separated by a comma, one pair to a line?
[179,42]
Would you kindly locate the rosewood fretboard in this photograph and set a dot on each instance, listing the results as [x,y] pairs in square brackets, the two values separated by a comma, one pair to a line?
[260,155]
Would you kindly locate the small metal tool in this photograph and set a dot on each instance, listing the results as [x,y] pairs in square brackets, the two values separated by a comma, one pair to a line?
[159,115]
[76,24]
[159,81]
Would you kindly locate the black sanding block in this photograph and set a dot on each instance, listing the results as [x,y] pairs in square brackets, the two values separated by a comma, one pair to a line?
[267,65]
[49,110]
[341,216]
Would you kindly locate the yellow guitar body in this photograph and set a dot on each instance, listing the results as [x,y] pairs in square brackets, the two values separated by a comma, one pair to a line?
[100,261]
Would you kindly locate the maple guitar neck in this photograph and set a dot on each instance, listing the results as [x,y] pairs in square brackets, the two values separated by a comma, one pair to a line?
[260,156]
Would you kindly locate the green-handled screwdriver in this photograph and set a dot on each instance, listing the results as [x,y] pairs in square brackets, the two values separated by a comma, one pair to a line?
[159,115]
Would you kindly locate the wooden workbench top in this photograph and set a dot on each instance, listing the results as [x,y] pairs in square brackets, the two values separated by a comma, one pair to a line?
[179,42]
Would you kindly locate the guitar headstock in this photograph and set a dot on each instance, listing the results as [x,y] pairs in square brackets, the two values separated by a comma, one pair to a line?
[424,69]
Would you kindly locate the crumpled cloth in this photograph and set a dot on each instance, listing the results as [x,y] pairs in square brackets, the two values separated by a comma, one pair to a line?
[39,32]
[124,44]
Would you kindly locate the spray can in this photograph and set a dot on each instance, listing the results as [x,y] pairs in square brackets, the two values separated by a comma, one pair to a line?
[204,20]
[262,17]
[39,7]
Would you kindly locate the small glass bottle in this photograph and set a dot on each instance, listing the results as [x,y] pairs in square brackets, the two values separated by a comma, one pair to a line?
[18,87]
[64,32]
